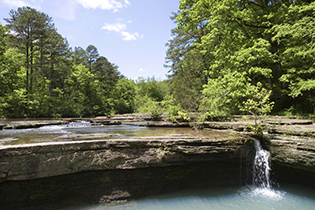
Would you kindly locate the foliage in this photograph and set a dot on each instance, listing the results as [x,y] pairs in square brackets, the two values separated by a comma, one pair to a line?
[12,95]
[156,90]
[124,96]
[258,104]
[40,75]
[174,111]
[236,43]
[187,66]
[149,94]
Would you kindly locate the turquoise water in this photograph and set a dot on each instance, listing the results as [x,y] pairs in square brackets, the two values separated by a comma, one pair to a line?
[258,196]
[287,197]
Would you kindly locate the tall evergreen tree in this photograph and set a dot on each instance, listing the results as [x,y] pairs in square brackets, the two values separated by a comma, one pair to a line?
[91,56]
[28,26]
[187,66]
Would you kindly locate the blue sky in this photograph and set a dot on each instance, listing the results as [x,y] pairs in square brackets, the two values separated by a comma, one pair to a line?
[130,33]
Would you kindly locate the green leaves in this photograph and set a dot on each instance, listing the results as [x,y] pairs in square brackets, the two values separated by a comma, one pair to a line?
[257,103]
[252,42]
[124,96]
[257,100]
[40,76]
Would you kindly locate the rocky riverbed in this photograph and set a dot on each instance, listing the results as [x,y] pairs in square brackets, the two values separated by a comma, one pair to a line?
[94,168]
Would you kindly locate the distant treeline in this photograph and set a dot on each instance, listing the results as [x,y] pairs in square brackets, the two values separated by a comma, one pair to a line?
[41,76]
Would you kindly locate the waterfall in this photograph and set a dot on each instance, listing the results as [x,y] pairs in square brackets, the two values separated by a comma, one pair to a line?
[261,176]
[261,167]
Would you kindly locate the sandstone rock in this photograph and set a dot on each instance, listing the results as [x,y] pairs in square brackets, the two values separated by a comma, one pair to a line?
[117,196]
[31,124]
[293,130]
[75,137]
[22,162]
[292,151]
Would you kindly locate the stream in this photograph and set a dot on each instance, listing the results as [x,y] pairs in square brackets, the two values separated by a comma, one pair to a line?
[51,133]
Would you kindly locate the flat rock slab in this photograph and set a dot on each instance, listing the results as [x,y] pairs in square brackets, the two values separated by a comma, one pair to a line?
[75,137]
[293,130]
[30,124]
[22,162]
[283,121]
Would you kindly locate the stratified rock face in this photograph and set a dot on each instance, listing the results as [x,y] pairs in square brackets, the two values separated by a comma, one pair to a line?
[293,151]
[54,175]
[293,158]
[112,186]
[25,162]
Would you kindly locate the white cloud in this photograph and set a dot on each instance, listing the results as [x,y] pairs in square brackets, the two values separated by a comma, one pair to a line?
[120,27]
[128,36]
[65,9]
[104,4]
[117,27]
[21,3]
[127,3]
[141,70]
[15,3]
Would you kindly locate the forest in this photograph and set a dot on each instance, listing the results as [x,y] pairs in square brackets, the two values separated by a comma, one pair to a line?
[42,76]
[225,57]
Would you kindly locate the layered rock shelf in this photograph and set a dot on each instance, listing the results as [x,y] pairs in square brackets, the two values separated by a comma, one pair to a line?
[54,175]
[23,162]
[96,168]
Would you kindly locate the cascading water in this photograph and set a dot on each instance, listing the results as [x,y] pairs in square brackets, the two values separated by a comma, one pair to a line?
[261,167]
[261,175]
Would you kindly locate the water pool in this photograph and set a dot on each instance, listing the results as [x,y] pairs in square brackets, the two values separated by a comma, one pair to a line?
[286,197]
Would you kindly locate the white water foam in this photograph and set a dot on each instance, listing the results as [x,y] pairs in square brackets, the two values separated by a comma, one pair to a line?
[262,186]
[267,193]
[261,167]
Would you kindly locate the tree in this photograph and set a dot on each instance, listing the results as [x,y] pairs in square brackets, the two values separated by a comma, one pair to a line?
[250,42]
[30,32]
[11,79]
[296,35]
[27,25]
[2,42]
[258,104]
[41,76]
[107,73]
[91,56]
[124,96]
[187,66]
[79,55]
